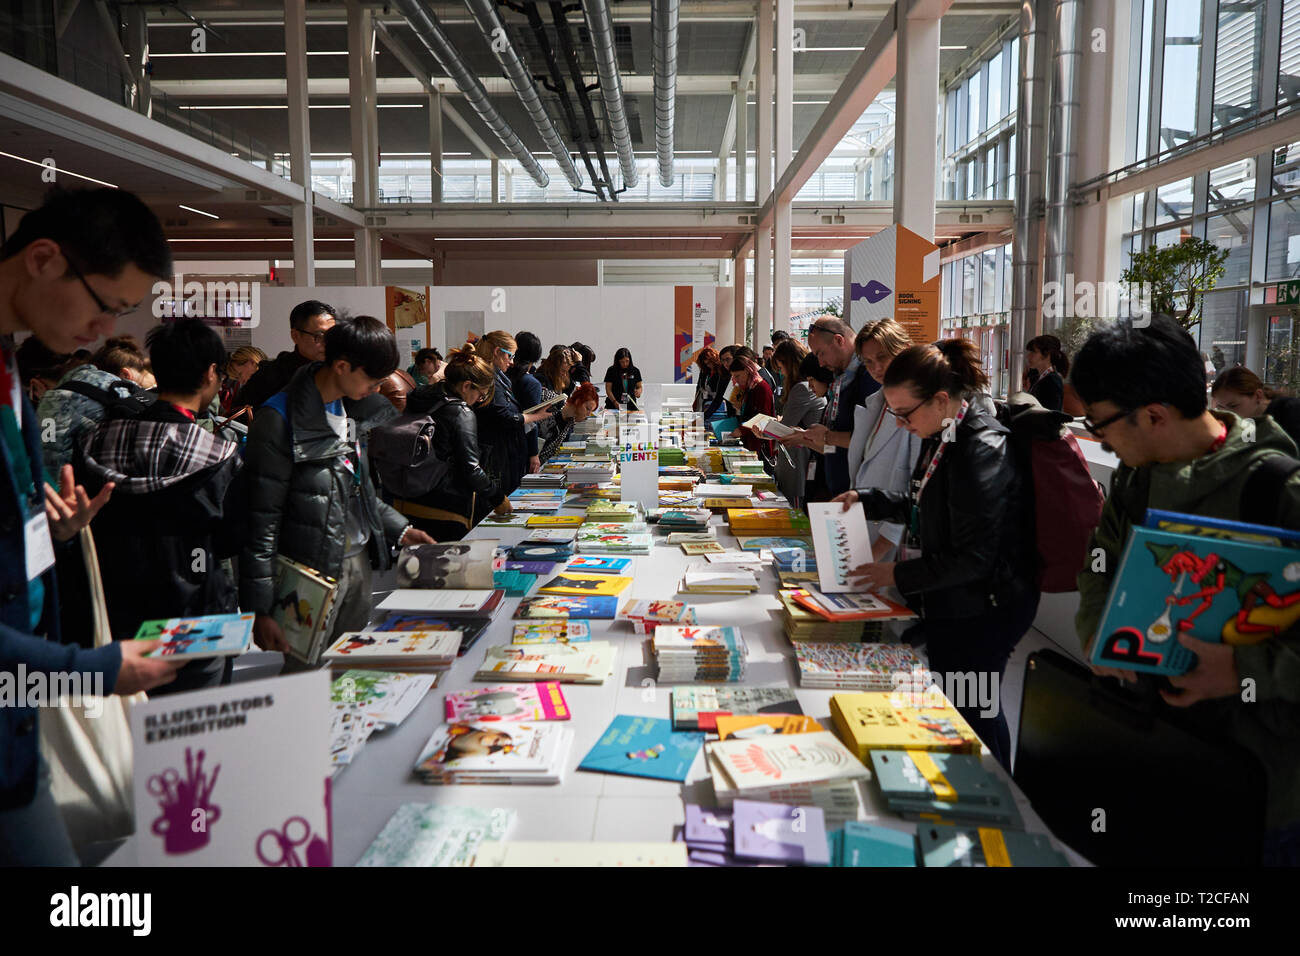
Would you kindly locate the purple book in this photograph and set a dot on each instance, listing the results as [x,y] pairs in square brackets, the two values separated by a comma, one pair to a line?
[530,567]
[707,829]
[775,831]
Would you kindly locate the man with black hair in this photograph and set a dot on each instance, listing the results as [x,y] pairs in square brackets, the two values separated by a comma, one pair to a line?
[69,269]
[308,323]
[1144,393]
[163,535]
[310,494]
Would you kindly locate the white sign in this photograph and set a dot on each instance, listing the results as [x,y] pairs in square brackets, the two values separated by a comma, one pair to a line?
[236,775]
[638,464]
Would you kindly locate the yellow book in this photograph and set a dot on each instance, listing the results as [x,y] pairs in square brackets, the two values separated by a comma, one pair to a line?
[901,720]
[555,521]
[734,725]
[765,519]
[586,584]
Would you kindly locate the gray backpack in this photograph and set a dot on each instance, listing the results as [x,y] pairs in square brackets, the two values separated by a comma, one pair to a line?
[402,452]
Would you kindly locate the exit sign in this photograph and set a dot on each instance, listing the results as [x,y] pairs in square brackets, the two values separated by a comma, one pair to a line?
[1288,293]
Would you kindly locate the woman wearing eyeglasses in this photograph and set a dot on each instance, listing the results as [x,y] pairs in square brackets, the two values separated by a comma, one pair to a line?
[967,564]
[502,438]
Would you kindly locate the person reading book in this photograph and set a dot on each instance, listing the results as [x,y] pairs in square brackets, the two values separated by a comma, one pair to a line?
[311,498]
[1144,392]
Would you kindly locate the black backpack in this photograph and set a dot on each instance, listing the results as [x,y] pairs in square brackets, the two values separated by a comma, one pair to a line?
[402,452]
[124,398]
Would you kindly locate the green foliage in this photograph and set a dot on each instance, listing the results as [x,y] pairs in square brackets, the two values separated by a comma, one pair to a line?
[1177,277]
[833,307]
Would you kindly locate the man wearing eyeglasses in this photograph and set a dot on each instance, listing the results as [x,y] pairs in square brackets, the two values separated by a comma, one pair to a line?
[1144,393]
[308,323]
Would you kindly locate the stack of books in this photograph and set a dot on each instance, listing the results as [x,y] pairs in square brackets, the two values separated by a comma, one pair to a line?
[411,651]
[448,603]
[546,478]
[470,628]
[424,835]
[945,788]
[901,720]
[801,624]
[598,449]
[626,512]
[614,542]
[693,537]
[812,769]
[717,580]
[586,663]
[550,534]
[542,701]
[749,521]
[754,834]
[590,472]
[699,708]
[692,653]
[684,520]
[862,844]
[850,607]
[560,522]
[646,615]
[511,519]
[477,752]
[713,489]
[986,846]
[567,606]
[537,499]
[671,455]
[866,667]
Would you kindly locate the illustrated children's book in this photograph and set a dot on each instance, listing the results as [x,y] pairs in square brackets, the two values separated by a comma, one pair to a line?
[301,603]
[392,650]
[386,697]
[481,752]
[1210,588]
[551,632]
[901,720]
[698,708]
[1220,528]
[423,835]
[842,544]
[588,663]
[471,628]
[212,635]
[779,833]
[585,584]
[461,564]
[647,614]
[863,844]
[543,701]
[763,725]
[565,605]
[597,564]
[644,747]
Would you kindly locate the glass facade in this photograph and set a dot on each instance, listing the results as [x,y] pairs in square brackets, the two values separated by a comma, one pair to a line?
[979,153]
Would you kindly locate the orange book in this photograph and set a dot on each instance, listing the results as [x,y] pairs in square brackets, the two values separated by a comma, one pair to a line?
[732,725]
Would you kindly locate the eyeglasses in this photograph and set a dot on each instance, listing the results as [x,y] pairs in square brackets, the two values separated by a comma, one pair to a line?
[1095,428]
[316,337]
[507,353]
[99,303]
[905,416]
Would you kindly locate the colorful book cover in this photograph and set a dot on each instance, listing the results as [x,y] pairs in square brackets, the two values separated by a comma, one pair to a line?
[901,720]
[511,519]
[876,664]
[586,584]
[868,845]
[300,604]
[763,725]
[551,536]
[555,521]
[949,778]
[514,583]
[384,696]
[471,628]
[551,632]
[786,760]
[702,547]
[425,835]
[212,635]
[705,827]
[644,747]
[590,607]
[842,543]
[461,564]
[479,747]
[986,846]
[420,646]
[703,642]
[530,567]
[761,542]
[779,833]
[699,707]
[594,529]
[541,701]
[598,564]
[1210,588]
[1177,523]
[588,663]
[645,615]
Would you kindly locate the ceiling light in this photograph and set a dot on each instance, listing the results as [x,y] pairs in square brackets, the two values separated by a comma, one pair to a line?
[565,238]
[57,169]
[199,211]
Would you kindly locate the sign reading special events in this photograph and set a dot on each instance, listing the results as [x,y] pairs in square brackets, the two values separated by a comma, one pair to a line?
[638,465]
[235,775]
[894,275]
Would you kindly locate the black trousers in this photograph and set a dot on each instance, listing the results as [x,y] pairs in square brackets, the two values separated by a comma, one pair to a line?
[967,652]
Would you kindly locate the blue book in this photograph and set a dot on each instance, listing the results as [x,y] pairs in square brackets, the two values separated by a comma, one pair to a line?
[644,747]
[212,635]
[553,553]
[967,846]
[598,564]
[1214,589]
[593,607]
[1221,528]
[867,845]
[724,426]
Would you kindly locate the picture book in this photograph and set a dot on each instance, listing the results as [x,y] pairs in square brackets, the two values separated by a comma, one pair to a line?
[593,607]
[1177,523]
[986,846]
[301,602]
[901,720]
[551,536]
[482,752]
[595,529]
[779,833]
[921,775]
[384,696]
[471,628]
[514,583]
[555,521]
[1210,588]
[408,650]
[644,747]
[760,542]
[541,701]
[511,519]
[865,844]
[553,553]
[697,708]
[692,652]
[212,635]
[851,607]
[597,564]
[762,725]
[462,564]
[786,759]
[770,427]
[854,666]
[766,519]
[530,567]
[588,663]
[705,827]
[842,544]
[645,615]
[551,855]
[586,584]
[702,547]
[551,632]
[425,834]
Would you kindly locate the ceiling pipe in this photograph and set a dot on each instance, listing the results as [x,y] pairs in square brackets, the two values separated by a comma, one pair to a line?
[570,51]
[430,33]
[601,29]
[663,58]
[494,32]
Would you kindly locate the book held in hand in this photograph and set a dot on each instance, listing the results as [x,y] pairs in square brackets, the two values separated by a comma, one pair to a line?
[212,635]
[302,599]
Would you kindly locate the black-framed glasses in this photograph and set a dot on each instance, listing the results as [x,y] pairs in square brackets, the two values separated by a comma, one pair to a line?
[99,303]
[317,337]
[1095,428]
[905,416]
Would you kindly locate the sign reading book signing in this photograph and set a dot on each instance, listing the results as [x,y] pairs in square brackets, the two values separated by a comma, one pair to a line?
[236,775]
[894,275]
[638,464]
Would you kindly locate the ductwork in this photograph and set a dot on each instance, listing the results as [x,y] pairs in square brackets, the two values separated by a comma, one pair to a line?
[1061,149]
[601,29]
[663,59]
[494,32]
[430,33]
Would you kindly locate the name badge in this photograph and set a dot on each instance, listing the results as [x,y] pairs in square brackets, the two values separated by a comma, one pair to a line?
[38,546]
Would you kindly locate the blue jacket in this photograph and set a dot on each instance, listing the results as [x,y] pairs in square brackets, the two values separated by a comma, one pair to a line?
[18,646]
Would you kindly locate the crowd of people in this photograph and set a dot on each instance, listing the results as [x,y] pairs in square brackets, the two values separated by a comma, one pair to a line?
[196,469]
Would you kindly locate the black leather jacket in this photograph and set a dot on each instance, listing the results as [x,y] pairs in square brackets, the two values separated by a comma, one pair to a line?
[976,523]
[300,486]
[455,441]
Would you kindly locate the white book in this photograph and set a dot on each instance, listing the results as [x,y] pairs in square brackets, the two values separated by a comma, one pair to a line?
[704,490]
[786,760]
[842,543]
[447,601]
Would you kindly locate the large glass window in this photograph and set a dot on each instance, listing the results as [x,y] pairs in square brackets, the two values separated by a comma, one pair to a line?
[995,89]
[1288,80]
[974,116]
[969,286]
[1232,184]
[1174,201]
[989,281]
[1144,79]
[1286,169]
[1223,327]
[1237,61]
[1181,73]
[1283,241]
[1013,92]
[1232,231]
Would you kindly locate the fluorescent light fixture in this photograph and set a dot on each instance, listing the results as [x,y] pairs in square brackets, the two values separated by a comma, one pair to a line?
[58,169]
[958,47]
[563,238]
[199,211]
[314,106]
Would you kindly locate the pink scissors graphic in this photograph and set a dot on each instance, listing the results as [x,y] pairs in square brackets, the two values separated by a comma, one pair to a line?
[294,833]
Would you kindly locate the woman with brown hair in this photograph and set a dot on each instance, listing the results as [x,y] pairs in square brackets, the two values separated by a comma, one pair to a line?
[711,384]
[1240,391]
[553,372]
[502,432]
[754,396]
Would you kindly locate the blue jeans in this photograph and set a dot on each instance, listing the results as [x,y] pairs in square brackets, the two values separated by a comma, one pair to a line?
[34,835]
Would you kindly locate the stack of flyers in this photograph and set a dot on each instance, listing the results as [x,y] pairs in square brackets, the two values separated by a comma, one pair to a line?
[587,663]
[698,708]
[394,650]
[644,747]
[551,632]
[349,731]
[986,846]
[863,844]
[645,615]
[597,564]
[551,535]
[542,701]
[779,833]
[424,835]
[476,752]
[213,635]
[385,697]
[694,653]
[471,628]
[946,788]
[844,666]
[566,606]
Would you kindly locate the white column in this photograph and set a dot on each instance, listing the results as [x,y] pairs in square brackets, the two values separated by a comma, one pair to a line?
[738,313]
[363,256]
[435,144]
[742,140]
[496,176]
[763,237]
[295,50]
[784,152]
[916,126]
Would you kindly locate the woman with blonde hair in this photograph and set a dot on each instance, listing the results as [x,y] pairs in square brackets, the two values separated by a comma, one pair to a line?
[241,365]
[502,431]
